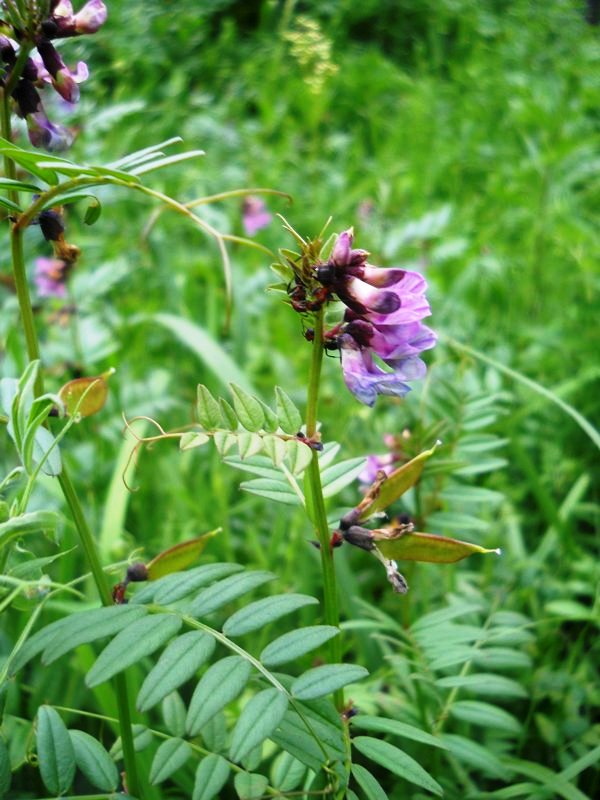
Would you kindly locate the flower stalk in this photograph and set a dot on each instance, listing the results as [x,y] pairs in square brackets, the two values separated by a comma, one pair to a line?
[317,502]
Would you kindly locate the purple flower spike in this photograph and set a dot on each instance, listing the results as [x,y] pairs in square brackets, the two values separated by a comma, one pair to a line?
[50,277]
[254,215]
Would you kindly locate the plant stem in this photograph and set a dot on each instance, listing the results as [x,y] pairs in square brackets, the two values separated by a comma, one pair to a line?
[317,502]
[85,534]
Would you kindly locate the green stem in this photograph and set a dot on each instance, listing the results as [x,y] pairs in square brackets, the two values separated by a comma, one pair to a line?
[85,534]
[317,502]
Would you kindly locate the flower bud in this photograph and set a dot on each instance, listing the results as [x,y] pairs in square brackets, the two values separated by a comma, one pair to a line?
[342,248]
[360,537]
[137,572]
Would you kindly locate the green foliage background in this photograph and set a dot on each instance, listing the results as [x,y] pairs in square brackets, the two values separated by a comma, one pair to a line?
[459,137]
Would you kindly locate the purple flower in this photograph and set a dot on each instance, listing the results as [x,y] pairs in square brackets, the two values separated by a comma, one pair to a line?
[254,215]
[384,309]
[51,277]
[364,378]
[375,464]
[52,69]
[63,22]
[46,134]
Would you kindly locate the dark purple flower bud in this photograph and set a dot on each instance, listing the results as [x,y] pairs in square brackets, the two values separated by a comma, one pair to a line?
[27,98]
[400,303]
[137,572]
[52,225]
[30,70]
[359,537]
[7,51]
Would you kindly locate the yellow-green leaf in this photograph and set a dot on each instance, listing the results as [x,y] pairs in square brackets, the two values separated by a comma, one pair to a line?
[179,557]
[394,486]
[85,396]
[428,547]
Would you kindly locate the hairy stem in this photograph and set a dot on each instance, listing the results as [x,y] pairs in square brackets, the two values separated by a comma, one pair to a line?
[83,530]
[317,502]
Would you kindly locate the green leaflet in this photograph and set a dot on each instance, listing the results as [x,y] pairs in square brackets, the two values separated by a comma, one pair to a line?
[179,661]
[174,712]
[94,761]
[188,582]
[170,756]
[368,783]
[476,756]
[208,409]
[287,772]
[290,419]
[56,755]
[396,728]
[486,715]
[223,592]
[88,626]
[260,613]
[324,680]
[290,646]
[219,685]
[211,776]
[396,761]
[486,684]
[250,786]
[259,718]
[133,643]
[248,409]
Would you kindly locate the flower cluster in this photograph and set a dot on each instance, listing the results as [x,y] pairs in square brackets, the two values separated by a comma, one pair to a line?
[384,309]
[46,66]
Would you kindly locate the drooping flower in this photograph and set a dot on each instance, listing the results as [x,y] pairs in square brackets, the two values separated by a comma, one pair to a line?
[254,215]
[51,277]
[52,69]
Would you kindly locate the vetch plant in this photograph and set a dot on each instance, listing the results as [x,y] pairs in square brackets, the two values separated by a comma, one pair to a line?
[228,712]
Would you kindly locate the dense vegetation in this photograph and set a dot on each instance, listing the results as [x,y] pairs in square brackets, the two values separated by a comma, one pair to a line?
[459,138]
